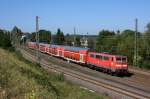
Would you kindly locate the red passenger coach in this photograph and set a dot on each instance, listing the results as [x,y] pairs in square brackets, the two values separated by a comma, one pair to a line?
[53,50]
[60,51]
[112,63]
[32,45]
[43,47]
[75,54]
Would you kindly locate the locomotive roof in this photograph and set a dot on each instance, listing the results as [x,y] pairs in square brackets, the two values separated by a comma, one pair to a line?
[107,54]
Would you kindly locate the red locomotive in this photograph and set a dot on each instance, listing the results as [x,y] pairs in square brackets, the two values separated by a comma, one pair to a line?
[109,63]
[103,61]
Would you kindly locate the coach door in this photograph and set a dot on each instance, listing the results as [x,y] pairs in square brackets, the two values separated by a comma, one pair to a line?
[81,57]
[62,53]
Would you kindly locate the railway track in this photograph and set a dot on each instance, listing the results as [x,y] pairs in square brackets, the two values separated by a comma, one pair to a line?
[136,81]
[141,72]
[89,79]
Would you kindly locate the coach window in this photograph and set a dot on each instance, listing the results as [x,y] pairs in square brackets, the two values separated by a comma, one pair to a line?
[91,55]
[112,59]
[100,57]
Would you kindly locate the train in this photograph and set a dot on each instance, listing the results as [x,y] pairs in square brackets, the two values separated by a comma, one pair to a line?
[113,64]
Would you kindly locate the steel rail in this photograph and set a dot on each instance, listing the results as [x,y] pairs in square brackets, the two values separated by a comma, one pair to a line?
[92,81]
[126,82]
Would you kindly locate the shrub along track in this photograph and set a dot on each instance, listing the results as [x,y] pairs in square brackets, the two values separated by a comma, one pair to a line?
[114,83]
[141,71]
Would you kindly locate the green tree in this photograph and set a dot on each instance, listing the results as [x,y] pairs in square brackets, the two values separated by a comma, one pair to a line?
[91,44]
[77,41]
[5,39]
[68,39]
[147,39]
[106,41]
[33,37]
[59,39]
[45,36]
[16,36]
[126,44]
[1,37]
[145,45]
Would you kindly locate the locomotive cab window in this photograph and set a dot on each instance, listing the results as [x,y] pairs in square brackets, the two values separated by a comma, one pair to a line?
[105,57]
[121,59]
[124,59]
[118,59]
[98,56]
[112,59]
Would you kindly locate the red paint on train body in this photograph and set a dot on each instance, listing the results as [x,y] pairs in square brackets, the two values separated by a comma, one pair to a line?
[113,63]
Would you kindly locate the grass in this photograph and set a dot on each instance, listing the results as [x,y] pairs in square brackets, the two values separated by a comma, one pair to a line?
[22,79]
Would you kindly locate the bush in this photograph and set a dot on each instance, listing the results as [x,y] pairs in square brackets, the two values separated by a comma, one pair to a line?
[22,79]
[146,64]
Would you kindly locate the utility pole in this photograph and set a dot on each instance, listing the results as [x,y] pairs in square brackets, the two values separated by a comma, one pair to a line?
[74,36]
[23,41]
[37,38]
[51,38]
[86,41]
[10,36]
[135,43]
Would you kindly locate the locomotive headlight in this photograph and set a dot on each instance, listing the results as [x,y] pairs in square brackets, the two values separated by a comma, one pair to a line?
[118,65]
[124,65]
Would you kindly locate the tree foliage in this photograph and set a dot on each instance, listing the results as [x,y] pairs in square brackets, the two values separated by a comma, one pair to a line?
[105,40]
[16,34]
[44,36]
[77,41]
[68,39]
[125,44]
[119,42]
[5,39]
[122,43]
[59,39]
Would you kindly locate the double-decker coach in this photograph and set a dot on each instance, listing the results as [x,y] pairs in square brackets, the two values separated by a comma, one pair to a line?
[53,50]
[43,47]
[32,45]
[76,54]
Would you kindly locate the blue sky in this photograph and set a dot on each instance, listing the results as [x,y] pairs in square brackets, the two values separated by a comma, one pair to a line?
[86,15]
